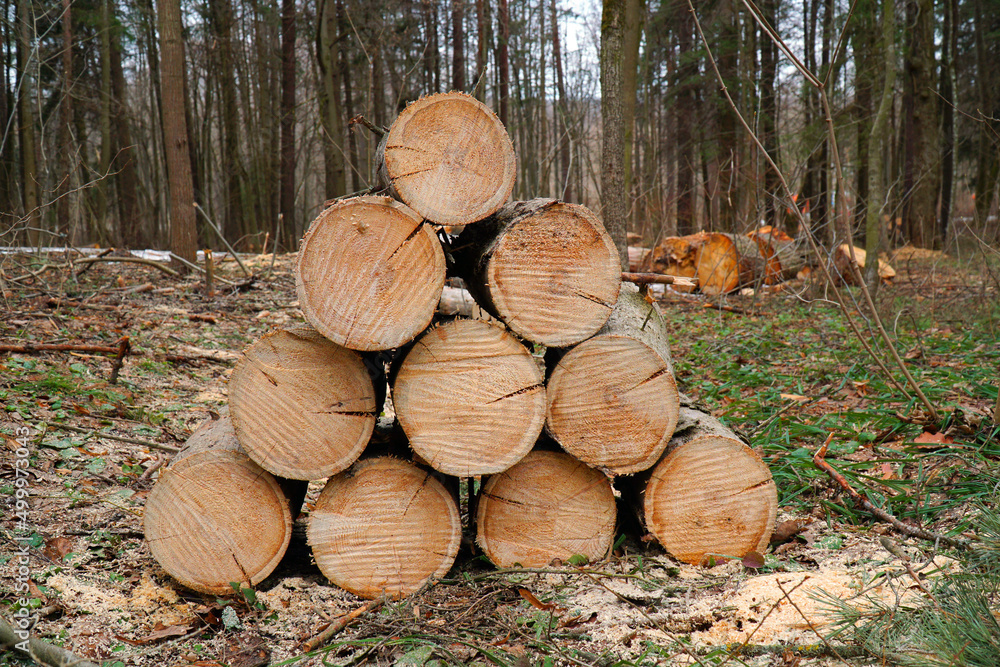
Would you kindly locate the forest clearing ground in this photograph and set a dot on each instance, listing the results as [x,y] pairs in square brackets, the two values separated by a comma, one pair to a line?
[785,371]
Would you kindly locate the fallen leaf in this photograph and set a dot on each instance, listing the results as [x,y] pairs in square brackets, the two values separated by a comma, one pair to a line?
[535,602]
[753,560]
[794,397]
[57,548]
[786,530]
[160,633]
[933,438]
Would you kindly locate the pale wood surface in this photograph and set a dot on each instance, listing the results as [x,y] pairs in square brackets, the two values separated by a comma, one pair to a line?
[449,158]
[842,262]
[612,399]
[214,516]
[547,269]
[369,273]
[710,495]
[727,262]
[677,256]
[303,407]
[470,398]
[548,506]
[384,528]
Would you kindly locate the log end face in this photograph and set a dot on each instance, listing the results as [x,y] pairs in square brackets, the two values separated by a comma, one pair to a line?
[711,498]
[385,527]
[613,403]
[216,517]
[302,406]
[369,273]
[549,506]
[449,158]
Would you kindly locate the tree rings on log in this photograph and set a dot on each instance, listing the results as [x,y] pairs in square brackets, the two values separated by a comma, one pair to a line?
[710,497]
[369,273]
[726,262]
[303,407]
[548,506]
[470,398]
[215,517]
[449,158]
[384,527]
[612,400]
[547,269]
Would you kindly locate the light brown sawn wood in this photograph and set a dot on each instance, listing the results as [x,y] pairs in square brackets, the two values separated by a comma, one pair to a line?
[214,516]
[303,407]
[612,399]
[727,262]
[369,273]
[710,496]
[785,257]
[842,263]
[547,269]
[548,506]
[677,256]
[470,398]
[384,527]
[449,158]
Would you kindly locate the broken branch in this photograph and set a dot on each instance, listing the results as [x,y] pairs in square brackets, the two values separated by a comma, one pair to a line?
[341,623]
[657,278]
[108,436]
[40,651]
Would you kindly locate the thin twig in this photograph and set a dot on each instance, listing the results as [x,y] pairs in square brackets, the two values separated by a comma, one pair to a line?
[862,501]
[130,260]
[124,346]
[341,623]
[380,131]
[808,622]
[656,278]
[35,348]
[222,238]
[201,269]
[108,436]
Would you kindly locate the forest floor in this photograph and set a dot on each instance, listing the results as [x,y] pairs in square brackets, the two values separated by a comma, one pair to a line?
[782,368]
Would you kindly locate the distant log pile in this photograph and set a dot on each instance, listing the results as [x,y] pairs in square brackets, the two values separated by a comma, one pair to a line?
[554,352]
[724,263]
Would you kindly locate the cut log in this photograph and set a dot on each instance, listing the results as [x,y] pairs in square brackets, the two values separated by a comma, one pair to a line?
[842,264]
[470,398]
[369,273]
[784,257]
[710,497]
[727,262]
[678,256]
[612,399]
[545,268]
[303,407]
[449,158]
[215,517]
[384,527]
[457,302]
[639,258]
[549,506]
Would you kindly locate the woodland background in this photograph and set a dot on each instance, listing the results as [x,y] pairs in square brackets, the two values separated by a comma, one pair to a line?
[249,102]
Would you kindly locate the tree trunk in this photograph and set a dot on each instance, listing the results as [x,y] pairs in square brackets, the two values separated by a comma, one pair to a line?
[545,268]
[183,230]
[385,527]
[31,197]
[878,200]
[131,230]
[686,113]
[470,398]
[503,62]
[614,207]
[303,407]
[287,112]
[369,273]
[458,45]
[949,53]
[222,28]
[987,87]
[331,114]
[769,112]
[215,517]
[104,164]
[842,265]
[710,496]
[634,17]
[67,211]
[612,399]
[562,125]
[448,158]
[549,506]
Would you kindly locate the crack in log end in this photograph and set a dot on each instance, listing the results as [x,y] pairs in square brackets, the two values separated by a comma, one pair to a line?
[346,413]
[531,388]
[412,173]
[416,149]
[595,299]
[413,234]
[509,501]
[269,378]
[659,373]
[759,484]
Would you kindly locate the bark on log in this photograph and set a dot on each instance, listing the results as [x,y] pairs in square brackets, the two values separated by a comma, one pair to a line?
[384,527]
[842,264]
[612,400]
[710,496]
[726,262]
[470,398]
[547,269]
[215,517]
[548,506]
[369,273]
[449,158]
[303,407]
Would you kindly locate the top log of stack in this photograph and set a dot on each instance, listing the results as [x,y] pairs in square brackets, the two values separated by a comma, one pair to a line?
[470,397]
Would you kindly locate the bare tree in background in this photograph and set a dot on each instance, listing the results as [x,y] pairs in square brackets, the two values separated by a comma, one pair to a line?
[613,204]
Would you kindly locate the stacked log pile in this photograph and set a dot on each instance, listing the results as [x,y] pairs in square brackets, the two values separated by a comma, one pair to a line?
[724,263]
[560,389]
